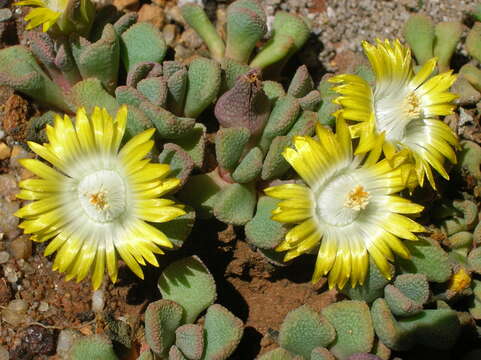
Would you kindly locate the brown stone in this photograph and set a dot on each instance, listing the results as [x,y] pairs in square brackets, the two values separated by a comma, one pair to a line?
[126,4]
[4,151]
[160,3]
[8,186]
[152,14]
[21,247]
[15,117]
[18,153]
[6,293]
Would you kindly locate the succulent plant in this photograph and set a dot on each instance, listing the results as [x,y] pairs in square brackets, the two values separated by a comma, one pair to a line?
[245,27]
[428,40]
[171,330]
[258,120]
[95,347]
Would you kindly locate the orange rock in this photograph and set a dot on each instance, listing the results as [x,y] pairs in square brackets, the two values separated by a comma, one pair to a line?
[152,14]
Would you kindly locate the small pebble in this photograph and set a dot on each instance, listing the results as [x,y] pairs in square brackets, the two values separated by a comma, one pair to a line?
[170,33]
[18,153]
[18,305]
[5,292]
[5,14]
[4,257]
[98,301]
[152,14]
[4,355]
[43,306]
[8,222]
[8,186]
[39,340]
[21,247]
[65,340]
[4,151]
[14,314]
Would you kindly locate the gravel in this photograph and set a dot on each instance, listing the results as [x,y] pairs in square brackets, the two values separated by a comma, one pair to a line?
[343,24]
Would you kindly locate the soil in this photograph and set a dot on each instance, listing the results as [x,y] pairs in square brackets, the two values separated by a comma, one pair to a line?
[256,291]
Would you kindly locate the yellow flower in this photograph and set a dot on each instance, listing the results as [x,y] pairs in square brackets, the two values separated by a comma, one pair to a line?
[45,13]
[347,209]
[403,107]
[95,204]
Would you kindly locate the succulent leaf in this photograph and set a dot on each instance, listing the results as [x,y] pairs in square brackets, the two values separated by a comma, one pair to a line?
[301,84]
[162,317]
[426,258]
[373,286]
[141,42]
[179,161]
[279,354]
[407,295]
[223,332]
[354,329]
[250,167]
[190,340]
[273,90]
[154,89]
[196,17]
[89,93]
[204,79]
[235,204]
[229,146]
[179,229]
[20,70]
[177,89]
[303,330]
[282,117]
[473,41]
[447,36]
[246,25]
[245,105]
[262,231]
[101,59]
[167,124]
[189,283]
[95,347]
[290,33]
[194,144]
[321,353]
[419,34]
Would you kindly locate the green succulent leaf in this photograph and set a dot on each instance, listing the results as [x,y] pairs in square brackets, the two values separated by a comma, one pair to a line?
[223,332]
[262,231]
[235,204]
[426,258]
[162,317]
[250,167]
[189,283]
[419,34]
[142,42]
[95,347]
[373,286]
[303,330]
[354,329]
[190,340]
[278,354]
[204,79]
[196,17]
[229,146]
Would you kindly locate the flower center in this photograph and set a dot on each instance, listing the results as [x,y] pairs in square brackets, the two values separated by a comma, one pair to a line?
[341,201]
[412,107]
[394,111]
[102,196]
[357,199]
